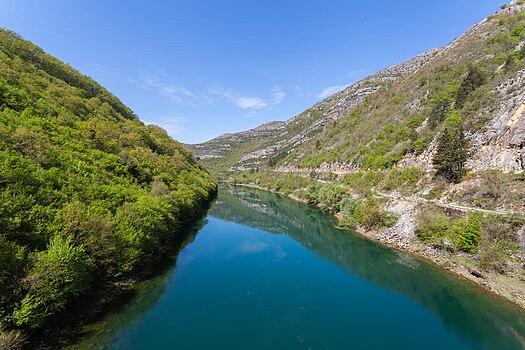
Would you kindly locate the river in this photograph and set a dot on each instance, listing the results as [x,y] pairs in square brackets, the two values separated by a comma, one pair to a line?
[265,272]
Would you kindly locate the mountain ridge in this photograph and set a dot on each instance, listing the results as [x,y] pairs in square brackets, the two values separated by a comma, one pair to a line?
[291,143]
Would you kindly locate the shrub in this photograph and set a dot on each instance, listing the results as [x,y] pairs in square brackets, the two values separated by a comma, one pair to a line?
[432,226]
[467,233]
[398,178]
[62,271]
[347,208]
[493,256]
[369,215]
[330,196]
[497,242]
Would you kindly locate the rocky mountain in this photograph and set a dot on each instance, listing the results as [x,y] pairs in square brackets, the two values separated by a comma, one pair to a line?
[393,118]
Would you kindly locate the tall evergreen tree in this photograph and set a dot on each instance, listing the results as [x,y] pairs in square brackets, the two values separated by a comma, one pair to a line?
[474,79]
[452,150]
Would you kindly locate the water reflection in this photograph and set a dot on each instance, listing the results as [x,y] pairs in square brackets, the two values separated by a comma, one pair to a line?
[463,308]
[242,288]
[132,306]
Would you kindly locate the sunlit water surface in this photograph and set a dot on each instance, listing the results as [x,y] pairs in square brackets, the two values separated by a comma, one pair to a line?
[265,272]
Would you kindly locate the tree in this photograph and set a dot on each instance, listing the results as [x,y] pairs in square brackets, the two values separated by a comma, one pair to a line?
[452,150]
[62,271]
[474,79]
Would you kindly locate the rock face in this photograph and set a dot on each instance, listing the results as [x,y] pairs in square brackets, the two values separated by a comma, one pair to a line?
[284,136]
[502,146]
[360,117]
[221,146]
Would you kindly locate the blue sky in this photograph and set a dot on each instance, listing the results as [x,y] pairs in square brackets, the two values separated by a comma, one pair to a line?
[200,68]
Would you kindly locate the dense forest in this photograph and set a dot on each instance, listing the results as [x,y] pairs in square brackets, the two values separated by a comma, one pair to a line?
[88,192]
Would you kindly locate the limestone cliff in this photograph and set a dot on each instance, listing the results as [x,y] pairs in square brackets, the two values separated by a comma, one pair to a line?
[393,118]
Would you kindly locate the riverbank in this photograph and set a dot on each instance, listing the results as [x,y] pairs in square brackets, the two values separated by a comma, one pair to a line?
[66,328]
[402,237]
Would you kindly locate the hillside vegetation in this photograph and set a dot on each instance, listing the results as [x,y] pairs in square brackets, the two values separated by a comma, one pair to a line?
[88,193]
[427,155]
[393,117]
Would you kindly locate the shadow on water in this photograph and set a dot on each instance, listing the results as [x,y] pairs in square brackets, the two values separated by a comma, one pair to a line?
[463,308]
[136,302]
[484,321]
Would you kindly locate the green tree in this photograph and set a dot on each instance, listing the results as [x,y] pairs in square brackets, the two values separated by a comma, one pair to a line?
[474,79]
[452,150]
[62,271]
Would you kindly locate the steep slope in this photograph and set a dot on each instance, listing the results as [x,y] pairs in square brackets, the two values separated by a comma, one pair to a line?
[88,192]
[267,144]
[393,117]
[427,156]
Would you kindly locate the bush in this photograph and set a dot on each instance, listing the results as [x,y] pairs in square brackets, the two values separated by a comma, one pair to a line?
[467,233]
[330,196]
[398,178]
[493,256]
[62,271]
[497,242]
[347,208]
[432,226]
[369,215]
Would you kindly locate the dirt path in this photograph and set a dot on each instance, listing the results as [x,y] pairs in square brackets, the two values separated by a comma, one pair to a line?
[413,199]
[454,206]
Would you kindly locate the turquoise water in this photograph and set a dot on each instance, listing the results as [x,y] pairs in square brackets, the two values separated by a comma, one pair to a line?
[265,272]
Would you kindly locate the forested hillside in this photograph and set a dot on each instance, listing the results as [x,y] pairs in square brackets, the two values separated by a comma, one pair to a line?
[88,193]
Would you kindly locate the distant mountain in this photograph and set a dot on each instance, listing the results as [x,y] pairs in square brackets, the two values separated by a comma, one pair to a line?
[393,118]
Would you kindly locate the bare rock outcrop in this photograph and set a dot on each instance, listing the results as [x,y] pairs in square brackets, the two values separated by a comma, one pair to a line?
[502,146]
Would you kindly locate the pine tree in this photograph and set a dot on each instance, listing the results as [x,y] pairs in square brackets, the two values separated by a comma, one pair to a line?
[452,150]
[474,79]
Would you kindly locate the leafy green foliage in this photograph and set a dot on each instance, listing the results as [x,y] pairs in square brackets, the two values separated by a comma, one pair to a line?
[432,226]
[468,233]
[370,215]
[62,271]
[449,232]
[351,212]
[87,192]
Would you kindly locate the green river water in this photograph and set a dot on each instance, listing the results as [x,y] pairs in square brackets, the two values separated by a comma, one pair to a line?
[264,272]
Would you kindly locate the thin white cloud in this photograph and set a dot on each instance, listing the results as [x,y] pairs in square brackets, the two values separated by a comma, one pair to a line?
[176,92]
[278,95]
[250,103]
[329,91]
[251,247]
[299,91]
[166,86]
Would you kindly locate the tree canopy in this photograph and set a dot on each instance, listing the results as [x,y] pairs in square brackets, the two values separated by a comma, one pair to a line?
[87,191]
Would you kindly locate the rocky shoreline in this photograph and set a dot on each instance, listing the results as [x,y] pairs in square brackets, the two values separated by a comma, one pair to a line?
[402,237]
